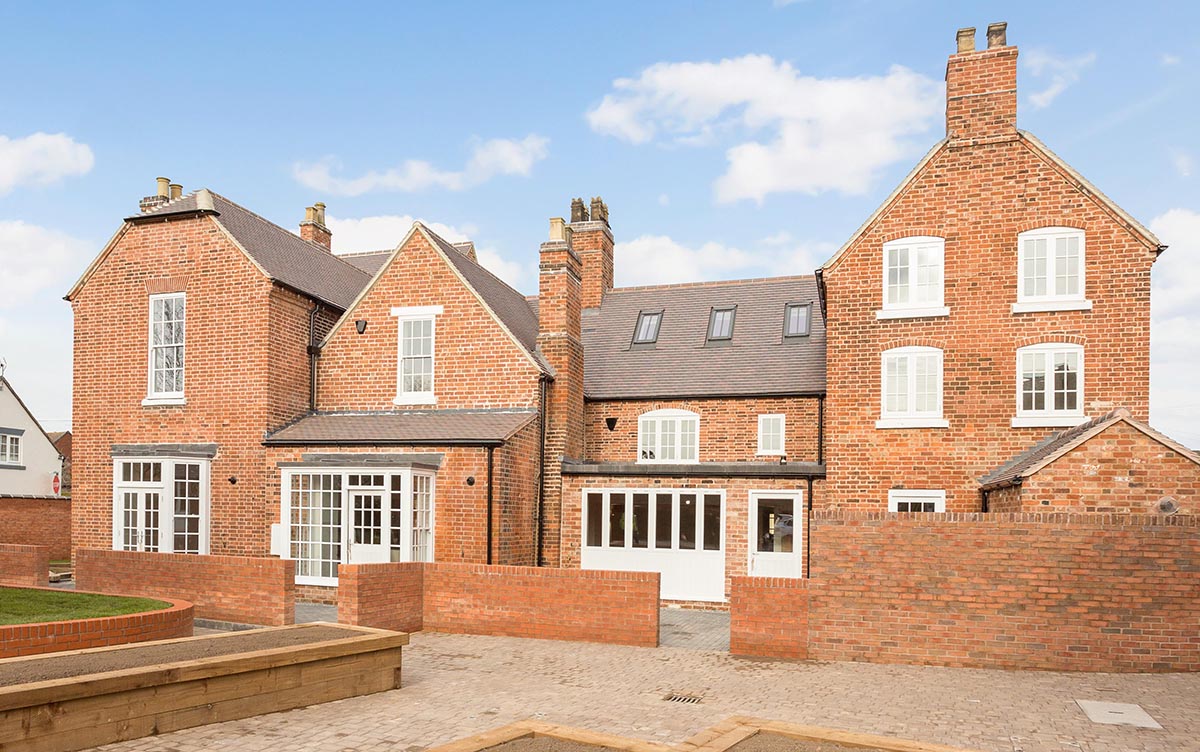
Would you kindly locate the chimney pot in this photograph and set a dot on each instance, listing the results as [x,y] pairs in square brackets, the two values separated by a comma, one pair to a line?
[599,210]
[558,229]
[310,214]
[176,190]
[320,207]
[966,39]
[997,35]
[163,187]
[579,212]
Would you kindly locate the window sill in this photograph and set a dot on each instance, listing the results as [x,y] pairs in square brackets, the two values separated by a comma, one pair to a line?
[10,466]
[1048,421]
[414,400]
[911,313]
[770,454]
[912,423]
[1051,305]
[163,401]
[668,462]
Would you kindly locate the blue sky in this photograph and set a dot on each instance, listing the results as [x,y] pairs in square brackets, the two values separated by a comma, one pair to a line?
[716,132]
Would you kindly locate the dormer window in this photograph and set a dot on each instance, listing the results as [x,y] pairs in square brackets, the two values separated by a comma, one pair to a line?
[913,278]
[415,357]
[720,324]
[1050,271]
[797,318]
[646,331]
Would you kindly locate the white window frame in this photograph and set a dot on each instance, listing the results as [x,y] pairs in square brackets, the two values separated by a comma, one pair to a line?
[166,490]
[925,495]
[164,398]
[405,546]
[914,308]
[781,451]
[1051,301]
[7,441]
[911,418]
[657,417]
[416,313]
[652,523]
[1049,417]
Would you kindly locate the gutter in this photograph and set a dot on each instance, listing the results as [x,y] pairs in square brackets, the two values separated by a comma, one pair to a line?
[490,502]
[314,352]
[540,512]
[820,276]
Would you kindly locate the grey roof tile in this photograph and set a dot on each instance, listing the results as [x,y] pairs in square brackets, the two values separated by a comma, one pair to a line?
[427,428]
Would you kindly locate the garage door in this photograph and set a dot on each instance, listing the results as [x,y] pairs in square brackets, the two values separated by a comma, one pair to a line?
[679,533]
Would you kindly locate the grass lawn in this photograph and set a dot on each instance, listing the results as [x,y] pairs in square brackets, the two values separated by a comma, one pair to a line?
[25,606]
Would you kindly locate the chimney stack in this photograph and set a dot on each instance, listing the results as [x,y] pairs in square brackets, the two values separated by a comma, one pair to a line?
[466,248]
[176,190]
[160,197]
[313,227]
[981,87]
[592,239]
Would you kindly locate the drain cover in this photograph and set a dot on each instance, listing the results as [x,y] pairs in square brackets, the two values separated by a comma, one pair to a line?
[683,698]
[1117,714]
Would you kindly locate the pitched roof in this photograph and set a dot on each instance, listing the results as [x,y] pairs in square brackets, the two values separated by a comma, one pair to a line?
[6,384]
[756,361]
[368,261]
[1056,445]
[420,428]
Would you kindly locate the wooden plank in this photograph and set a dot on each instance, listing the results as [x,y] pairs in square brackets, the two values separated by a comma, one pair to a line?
[853,738]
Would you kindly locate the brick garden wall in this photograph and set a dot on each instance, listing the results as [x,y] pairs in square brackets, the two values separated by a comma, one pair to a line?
[238,589]
[32,521]
[542,603]
[1064,592]
[55,636]
[24,566]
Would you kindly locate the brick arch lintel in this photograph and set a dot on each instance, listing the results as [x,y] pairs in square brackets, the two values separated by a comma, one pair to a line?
[1048,337]
[1056,220]
[912,232]
[892,344]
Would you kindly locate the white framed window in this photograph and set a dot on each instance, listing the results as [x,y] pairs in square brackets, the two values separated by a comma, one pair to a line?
[1049,385]
[662,519]
[916,500]
[911,388]
[168,314]
[415,354]
[914,278]
[668,436]
[335,516]
[1050,270]
[161,504]
[771,434]
[10,447]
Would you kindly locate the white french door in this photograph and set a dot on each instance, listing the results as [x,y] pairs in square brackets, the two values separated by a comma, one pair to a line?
[775,530]
[140,520]
[368,539]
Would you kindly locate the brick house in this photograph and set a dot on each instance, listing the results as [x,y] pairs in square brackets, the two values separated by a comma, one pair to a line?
[407,405]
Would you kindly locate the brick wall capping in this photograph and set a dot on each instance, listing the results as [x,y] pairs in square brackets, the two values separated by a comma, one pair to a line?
[199,451]
[35,496]
[423,460]
[698,469]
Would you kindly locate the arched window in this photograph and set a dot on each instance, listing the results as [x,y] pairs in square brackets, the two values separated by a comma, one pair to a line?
[669,436]
[911,388]
[1049,385]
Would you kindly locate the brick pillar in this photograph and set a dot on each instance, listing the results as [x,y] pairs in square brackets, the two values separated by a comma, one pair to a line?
[313,227]
[561,344]
[592,239]
[981,87]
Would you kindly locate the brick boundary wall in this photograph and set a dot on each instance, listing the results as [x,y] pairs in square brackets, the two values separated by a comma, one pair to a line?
[37,521]
[536,602]
[24,566]
[241,589]
[54,636]
[1061,592]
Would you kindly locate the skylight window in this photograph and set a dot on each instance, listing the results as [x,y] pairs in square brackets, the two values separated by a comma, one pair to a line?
[646,332]
[796,318]
[720,324]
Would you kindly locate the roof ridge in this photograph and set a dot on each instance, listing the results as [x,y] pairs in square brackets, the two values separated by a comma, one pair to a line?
[364,253]
[469,259]
[714,283]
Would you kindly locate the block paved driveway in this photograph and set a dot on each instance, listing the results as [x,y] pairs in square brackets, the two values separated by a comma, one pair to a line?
[456,685]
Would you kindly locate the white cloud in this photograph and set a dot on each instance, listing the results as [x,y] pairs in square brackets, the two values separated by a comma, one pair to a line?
[41,159]
[36,261]
[1168,59]
[659,259]
[384,232]
[1175,315]
[1061,71]
[664,199]
[498,156]
[789,132]
[1182,161]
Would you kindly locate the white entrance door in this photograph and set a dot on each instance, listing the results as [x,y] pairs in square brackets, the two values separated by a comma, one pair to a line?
[140,520]
[368,539]
[775,528]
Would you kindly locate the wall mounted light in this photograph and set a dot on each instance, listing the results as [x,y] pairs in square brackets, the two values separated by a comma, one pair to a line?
[470,480]
[233,480]
[611,423]
[361,325]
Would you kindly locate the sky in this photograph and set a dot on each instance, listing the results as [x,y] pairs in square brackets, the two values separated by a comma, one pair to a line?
[729,139]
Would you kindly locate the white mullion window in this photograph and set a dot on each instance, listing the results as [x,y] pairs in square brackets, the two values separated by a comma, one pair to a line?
[1050,270]
[914,278]
[166,348]
[916,500]
[639,520]
[1049,385]
[771,435]
[10,448]
[668,436]
[911,388]
[161,504]
[415,358]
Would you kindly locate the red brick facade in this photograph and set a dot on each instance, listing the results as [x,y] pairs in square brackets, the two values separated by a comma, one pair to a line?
[37,522]
[1055,591]
[24,566]
[55,636]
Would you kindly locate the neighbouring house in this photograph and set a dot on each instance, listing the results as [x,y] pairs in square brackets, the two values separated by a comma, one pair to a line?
[240,389]
[62,442]
[30,465]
